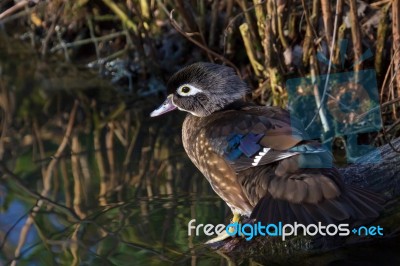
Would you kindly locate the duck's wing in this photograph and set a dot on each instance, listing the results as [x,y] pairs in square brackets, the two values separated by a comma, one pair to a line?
[255,136]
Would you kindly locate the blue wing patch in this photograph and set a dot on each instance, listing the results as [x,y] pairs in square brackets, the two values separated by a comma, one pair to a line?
[242,144]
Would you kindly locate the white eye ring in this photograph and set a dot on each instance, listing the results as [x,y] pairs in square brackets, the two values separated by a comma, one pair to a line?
[187,90]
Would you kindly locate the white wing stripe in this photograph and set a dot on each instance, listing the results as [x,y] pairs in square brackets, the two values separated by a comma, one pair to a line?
[261,154]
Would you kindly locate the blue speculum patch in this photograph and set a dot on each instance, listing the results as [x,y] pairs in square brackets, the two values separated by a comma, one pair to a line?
[242,144]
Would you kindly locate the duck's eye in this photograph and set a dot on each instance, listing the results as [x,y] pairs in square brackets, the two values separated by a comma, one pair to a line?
[185,89]
[188,90]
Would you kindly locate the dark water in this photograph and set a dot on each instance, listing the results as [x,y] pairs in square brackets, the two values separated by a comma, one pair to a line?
[119,190]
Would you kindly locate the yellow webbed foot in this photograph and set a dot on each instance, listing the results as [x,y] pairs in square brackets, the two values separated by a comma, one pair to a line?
[224,235]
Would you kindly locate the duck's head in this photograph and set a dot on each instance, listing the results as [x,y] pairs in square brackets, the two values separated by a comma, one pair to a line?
[202,89]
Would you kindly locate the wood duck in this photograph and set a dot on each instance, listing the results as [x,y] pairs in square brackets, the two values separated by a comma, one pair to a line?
[259,159]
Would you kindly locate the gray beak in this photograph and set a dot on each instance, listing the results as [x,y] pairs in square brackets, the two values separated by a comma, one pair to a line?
[165,107]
